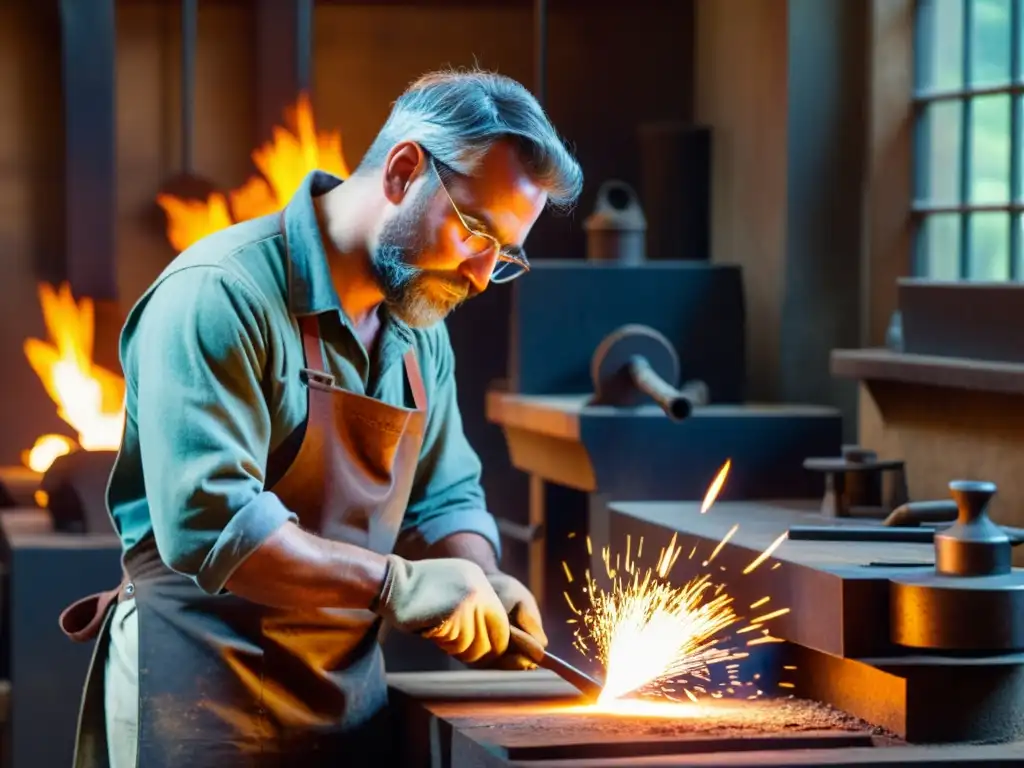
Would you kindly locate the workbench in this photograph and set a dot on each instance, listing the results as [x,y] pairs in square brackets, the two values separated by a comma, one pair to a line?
[485,719]
[838,627]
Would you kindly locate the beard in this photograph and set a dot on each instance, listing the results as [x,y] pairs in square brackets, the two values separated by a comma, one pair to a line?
[418,297]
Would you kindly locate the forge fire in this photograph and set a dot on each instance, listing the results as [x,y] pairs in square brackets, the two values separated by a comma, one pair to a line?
[293,151]
[89,398]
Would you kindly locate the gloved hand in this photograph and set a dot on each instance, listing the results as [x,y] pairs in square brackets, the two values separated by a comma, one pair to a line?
[523,612]
[449,601]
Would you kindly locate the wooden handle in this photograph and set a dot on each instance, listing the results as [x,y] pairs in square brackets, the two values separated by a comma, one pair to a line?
[526,644]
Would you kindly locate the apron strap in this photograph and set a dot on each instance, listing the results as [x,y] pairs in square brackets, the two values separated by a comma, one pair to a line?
[81,621]
[311,345]
[415,376]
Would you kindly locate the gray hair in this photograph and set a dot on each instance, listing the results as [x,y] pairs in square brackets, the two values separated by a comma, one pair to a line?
[456,116]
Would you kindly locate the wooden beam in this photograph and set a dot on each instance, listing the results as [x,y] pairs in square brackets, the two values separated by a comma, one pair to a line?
[888,192]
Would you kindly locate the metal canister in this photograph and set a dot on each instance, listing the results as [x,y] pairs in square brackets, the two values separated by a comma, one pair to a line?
[617,229]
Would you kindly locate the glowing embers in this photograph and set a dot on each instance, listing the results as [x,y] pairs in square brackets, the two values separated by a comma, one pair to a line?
[656,639]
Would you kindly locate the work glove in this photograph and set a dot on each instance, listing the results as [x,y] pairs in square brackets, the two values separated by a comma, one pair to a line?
[449,601]
[524,613]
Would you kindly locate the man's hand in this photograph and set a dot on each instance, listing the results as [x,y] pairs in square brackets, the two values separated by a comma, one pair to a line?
[523,612]
[449,601]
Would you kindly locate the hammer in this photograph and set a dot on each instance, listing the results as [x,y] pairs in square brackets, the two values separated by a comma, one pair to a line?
[637,362]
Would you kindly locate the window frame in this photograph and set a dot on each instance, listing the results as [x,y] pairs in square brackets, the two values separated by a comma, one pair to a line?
[923,46]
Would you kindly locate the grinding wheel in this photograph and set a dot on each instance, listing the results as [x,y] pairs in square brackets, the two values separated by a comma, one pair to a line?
[636,363]
[615,353]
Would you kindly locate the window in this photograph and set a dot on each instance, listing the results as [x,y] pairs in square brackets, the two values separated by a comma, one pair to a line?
[968,139]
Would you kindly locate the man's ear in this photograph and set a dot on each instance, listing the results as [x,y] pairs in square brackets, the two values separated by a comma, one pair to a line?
[404,163]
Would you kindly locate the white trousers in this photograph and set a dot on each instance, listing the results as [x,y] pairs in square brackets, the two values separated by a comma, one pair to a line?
[121,687]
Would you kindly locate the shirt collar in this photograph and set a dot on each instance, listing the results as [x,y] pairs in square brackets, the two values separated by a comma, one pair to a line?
[310,289]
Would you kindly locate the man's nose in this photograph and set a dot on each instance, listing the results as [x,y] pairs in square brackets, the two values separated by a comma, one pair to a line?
[478,269]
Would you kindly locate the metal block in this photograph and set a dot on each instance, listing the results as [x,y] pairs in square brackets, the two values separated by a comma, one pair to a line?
[496,718]
[565,308]
[839,599]
[962,319]
[45,572]
[640,454]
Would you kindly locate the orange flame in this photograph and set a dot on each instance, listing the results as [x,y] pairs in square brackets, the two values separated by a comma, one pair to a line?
[89,398]
[283,162]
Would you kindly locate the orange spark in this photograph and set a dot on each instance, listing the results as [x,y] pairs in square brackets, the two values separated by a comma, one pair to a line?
[716,486]
[723,542]
[770,616]
[766,554]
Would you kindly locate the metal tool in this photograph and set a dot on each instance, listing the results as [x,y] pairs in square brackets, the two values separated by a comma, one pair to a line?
[637,362]
[617,229]
[972,600]
[535,652]
[858,484]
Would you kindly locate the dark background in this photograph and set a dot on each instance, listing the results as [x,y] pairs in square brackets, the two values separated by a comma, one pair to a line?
[781,83]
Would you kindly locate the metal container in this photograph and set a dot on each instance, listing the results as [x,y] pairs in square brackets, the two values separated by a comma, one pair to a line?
[617,229]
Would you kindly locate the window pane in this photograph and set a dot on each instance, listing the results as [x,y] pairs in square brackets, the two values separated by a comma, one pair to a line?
[1018,107]
[939,140]
[939,247]
[1018,223]
[940,44]
[1019,12]
[990,42]
[990,149]
[989,258]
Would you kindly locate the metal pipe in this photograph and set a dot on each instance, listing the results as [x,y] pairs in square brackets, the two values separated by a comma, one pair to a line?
[189,46]
[882,534]
[304,45]
[678,404]
[540,51]
[88,54]
[284,59]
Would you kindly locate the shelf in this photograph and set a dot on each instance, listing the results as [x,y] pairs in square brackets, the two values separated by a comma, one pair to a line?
[928,370]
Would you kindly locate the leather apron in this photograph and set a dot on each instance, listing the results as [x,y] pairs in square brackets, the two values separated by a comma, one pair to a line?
[224,682]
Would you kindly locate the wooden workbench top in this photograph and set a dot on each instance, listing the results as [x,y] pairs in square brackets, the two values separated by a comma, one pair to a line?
[559,415]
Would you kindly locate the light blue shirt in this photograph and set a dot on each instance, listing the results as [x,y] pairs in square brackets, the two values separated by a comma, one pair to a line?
[211,356]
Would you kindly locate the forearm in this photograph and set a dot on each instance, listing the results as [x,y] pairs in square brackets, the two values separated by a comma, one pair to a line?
[295,569]
[468,546]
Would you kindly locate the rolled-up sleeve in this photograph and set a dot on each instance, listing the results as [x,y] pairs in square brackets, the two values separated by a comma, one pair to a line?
[199,351]
[447,496]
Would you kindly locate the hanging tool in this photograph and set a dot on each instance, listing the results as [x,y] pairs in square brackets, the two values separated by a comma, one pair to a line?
[186,184]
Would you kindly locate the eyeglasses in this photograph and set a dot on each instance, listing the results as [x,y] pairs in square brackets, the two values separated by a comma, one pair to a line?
[511,262]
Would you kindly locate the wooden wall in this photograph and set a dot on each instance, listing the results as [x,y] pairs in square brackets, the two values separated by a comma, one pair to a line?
[783,85]
[612,66]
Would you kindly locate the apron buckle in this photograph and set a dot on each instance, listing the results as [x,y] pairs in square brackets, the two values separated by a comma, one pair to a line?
[316,378]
